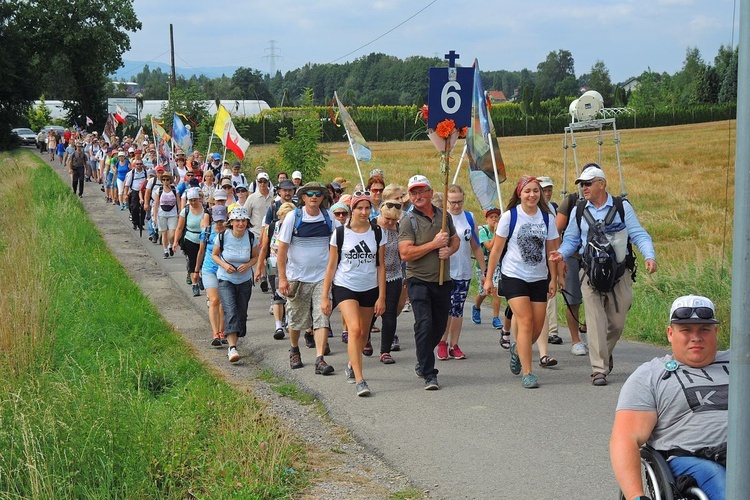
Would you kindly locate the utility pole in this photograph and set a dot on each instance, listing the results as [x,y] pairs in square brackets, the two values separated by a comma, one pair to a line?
[272,57]
[171,48]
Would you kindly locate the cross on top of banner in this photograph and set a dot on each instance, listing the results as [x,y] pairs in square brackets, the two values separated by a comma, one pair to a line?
[451,57]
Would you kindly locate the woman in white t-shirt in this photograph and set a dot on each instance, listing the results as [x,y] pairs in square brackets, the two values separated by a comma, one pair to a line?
[461,272]
[358,279]
[528,282]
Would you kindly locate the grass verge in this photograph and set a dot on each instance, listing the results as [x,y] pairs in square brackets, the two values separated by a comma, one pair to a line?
[100,399]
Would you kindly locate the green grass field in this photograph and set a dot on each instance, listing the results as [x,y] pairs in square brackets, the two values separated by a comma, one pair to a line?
[100,398]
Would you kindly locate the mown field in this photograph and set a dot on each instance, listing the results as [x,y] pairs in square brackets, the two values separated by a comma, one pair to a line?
[100,398]
[679,179]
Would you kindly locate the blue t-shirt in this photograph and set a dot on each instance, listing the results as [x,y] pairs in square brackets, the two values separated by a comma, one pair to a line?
[122,170]
[209,266]
[237,251]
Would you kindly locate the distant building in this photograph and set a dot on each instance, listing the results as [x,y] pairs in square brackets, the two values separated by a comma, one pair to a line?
[131,88]
[496,96]
[630,84]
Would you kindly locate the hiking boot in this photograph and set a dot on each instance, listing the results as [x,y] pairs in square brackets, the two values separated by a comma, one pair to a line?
[367,351]
[295,359]
[578,349]
[309,340]
[530,381]
[196,291]
[395,346]
[233,355]
[322,368]
[278,334]
[496,323]
[554,339]
[362,389]
[387,359]
[515,361]
[456,353]
[476,315]
[442,350]
[349,374]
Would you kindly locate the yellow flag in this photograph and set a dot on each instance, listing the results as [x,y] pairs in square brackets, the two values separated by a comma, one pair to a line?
[222,115]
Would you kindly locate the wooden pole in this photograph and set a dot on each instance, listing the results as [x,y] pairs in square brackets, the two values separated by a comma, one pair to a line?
[444,221]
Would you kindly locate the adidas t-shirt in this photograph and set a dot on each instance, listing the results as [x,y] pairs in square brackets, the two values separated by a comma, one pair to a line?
[357,270]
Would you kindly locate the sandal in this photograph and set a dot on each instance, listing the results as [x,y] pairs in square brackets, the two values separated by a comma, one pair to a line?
[505,340]
[547,361]
[345,337]
[375,329]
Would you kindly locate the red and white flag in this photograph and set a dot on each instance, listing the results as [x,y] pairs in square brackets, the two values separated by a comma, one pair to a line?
[121,114]
[233,140]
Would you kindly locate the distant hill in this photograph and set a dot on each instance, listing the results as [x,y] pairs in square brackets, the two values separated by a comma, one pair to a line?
[132,68]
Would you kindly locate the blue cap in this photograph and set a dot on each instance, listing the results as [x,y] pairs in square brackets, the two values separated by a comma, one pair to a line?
[217,156]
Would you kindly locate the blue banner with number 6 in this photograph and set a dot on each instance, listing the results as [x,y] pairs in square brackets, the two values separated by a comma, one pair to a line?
[450,96]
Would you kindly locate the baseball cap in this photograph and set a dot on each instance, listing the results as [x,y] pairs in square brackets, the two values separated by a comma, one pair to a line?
[216,157]
[121,153]
[219,194]
[131,150]
[545,181]
[491,210]
[418,181]
[296,174]
[263,175]
[218,212]
[159,169]
[236,163]
[693,309]
[226,182]
[193,193]
[590,174]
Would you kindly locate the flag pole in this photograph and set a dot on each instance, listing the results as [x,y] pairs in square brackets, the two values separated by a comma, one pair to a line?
[494,170]
[458,168]
[356,160]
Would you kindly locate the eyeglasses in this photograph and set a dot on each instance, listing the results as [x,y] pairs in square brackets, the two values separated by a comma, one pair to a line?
[390,204]
[314,194]
[189,174]
[456,203]
[340,214]
[362,193]
[688,312]
[376,190]
[418,192]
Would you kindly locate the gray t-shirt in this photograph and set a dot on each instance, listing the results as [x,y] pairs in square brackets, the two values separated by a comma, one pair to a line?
[691,403]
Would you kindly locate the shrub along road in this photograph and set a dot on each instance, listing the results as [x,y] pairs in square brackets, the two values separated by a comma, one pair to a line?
[480,436]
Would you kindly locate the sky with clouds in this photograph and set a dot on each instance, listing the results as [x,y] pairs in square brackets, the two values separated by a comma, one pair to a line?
[628,35]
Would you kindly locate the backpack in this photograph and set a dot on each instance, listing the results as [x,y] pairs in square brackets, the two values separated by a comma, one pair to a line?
[599,261]
[378,238]
[298,220]
[250,236]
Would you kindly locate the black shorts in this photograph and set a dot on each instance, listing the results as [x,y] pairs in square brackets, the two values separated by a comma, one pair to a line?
[365,299]
[514,287]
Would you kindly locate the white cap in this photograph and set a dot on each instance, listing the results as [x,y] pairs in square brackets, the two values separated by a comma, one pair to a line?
[296,174]
[262,175]
[418,181]
[193,193]
[131,149]
[693,302]
[590,174]
[545,181]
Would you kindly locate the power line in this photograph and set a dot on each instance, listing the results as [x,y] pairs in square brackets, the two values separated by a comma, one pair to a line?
[388,32]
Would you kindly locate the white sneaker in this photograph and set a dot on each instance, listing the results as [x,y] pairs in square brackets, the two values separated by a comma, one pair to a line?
[579,349]
[233,355]
[584,339]
[407,308]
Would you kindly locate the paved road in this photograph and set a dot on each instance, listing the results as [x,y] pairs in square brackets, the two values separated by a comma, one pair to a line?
[481,435]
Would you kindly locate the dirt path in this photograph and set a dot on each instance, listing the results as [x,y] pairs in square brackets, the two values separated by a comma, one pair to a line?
[342,466]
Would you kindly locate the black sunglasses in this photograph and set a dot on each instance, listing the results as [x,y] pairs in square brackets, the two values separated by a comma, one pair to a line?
[587,183]
[340,214]
[687,313]
[315,194]
[390,204]
[241,190]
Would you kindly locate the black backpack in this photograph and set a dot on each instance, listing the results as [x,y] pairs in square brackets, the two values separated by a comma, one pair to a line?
[378,238]
[599,261]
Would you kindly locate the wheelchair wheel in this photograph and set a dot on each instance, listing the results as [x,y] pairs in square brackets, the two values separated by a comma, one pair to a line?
[657,476]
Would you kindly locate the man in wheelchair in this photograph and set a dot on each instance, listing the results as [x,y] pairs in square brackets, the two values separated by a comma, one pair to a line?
[677,404]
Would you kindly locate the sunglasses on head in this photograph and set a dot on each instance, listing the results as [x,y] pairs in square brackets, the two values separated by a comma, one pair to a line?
[314,194]
[390,204]
[362,193]
[688,312]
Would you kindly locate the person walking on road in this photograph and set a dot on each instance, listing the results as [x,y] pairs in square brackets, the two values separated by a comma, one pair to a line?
[304,236]
[355,277]
[189,222]
[605,310]
[165,202]
[235,254]
[423,244]
[77,164]
[212,224]
[528,231]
